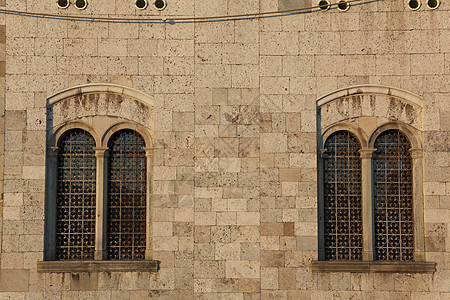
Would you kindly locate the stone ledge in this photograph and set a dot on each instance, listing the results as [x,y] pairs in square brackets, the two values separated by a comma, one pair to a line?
[97,266]
[373,267]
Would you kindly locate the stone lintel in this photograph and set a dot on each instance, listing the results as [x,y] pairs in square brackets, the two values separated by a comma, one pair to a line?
[97,266]
[373,267]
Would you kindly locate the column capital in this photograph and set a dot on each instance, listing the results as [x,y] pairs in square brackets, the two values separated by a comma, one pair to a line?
[366,153]
[148,152]
[101,151]
[53,151]
[322,151]
[416,153]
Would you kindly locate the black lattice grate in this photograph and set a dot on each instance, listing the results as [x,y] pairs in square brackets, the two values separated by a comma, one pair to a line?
[394,230]
[342,192]
[75,212]
[127,196]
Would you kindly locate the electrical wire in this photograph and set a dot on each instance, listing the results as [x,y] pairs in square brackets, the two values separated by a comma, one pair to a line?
[175,20]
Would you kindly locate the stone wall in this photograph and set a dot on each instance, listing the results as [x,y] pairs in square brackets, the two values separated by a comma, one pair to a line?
[235,131]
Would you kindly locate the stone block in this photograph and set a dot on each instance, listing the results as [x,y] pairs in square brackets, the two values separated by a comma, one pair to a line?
[14,280]
[242,269]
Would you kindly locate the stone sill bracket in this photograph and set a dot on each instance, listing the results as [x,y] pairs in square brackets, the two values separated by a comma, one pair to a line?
[98,266]
[373,267]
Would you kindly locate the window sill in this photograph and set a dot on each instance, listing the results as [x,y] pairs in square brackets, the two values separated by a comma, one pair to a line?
[97,266]
[373,267]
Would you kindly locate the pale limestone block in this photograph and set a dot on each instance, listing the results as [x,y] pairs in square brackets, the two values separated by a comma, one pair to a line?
[163,120]
[162,228]
[308,121]
[269,278]
[304,85]
[271,66]
[112,47]
[319,43]
[306,202]
[209,269]
[273,142]
[303,160]
[246,31]
[30,242]
[242,269]
[163,214]
[164,173]
[69,65]
[205,218]
[207,32]
[33,172]
[80,47]
[299,66]
[13,140]
[427,64]
[289,188]
[213,75]
[436,216]
[152,31]
[416,41]
[12,260]
[206,131]
[245,234]
[186,244]
[226,218]
[290,215]
[293,23]
[164,187]
[20,46]
[248,218]
[121,65]
[329,65]
[17,65]
[271,103]
[11,213]
[150,65]
[306,228]
[184,214]
[274,85]
[237,53]
[176,48]
[270,243]
[245,76]
[178,65]
[219,205]
[238,205]
[279,43]
[288,243]
[165,243]
[229,165]
[208,53]
[434,188]
[227,251]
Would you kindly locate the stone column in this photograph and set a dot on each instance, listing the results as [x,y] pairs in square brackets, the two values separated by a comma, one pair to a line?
[320,204]
[418,206]
[101,204]
[367,203]
[51,196]
[149,196]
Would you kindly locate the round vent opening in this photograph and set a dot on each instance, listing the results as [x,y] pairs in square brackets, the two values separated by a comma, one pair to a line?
[63,3]
[433,4]
[324,5]
[81,4]
[414,4]
[159,4]
[141,4]
[343,5]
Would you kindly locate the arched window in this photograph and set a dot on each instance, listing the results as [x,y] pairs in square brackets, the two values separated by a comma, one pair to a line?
[342,197]
[393,197]
[75,203]
[126,196]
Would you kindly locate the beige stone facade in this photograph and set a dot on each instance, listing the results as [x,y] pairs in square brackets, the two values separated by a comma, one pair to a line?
[234,115]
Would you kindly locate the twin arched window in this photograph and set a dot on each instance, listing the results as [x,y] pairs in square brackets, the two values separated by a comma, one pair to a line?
[76,197]
[392,214]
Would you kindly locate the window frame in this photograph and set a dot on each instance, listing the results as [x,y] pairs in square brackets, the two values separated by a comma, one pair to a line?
[368,264]
[50,264]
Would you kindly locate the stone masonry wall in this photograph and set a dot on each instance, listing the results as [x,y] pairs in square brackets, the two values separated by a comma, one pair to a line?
[235,140]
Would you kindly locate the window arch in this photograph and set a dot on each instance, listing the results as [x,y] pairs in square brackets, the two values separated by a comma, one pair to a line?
[342,197]
[126,196]
[393,197]
[75,203]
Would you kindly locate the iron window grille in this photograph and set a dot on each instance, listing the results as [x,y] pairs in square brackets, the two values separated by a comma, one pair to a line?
[75,207]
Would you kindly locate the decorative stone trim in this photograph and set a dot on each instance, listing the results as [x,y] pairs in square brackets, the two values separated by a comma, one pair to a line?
[97,266]
[373,267]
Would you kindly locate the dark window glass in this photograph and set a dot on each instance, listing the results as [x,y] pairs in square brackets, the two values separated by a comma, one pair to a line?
[342,193]
[75,205]
[126,196]
[394,237]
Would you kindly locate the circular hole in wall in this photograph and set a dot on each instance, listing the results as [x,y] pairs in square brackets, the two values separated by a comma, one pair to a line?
[433,4]
[141,4]
[343,5]
[324,5]
[63,3]
[159,4]
[414,4]
[81,4]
